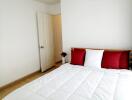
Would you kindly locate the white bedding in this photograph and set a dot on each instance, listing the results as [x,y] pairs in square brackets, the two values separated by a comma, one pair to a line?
[71,82]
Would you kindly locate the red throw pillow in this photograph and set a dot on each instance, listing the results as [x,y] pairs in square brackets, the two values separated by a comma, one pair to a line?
[124,60]
[78,56]
[111,59]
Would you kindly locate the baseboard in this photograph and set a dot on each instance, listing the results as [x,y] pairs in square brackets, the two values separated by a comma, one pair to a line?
[58,61]
[25,77]
[18,80]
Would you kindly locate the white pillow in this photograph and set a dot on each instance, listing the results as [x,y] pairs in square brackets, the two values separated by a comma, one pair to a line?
[93,58]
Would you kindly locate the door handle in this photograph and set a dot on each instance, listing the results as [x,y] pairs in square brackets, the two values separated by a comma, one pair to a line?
[41,47]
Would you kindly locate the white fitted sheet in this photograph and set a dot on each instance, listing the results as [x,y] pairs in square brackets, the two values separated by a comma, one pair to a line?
[72,82]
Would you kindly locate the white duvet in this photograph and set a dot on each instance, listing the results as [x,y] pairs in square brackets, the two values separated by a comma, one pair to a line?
[71,82]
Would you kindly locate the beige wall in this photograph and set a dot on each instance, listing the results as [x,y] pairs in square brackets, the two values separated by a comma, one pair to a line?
[57,36]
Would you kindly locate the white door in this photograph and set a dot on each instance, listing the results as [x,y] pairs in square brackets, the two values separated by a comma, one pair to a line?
[46,40]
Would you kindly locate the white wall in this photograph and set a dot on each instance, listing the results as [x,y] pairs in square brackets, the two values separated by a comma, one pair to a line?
[97,23]
[18,39]
[19,48]
[54,9]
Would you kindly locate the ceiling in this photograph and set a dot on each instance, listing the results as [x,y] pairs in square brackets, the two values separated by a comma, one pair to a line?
[50,1]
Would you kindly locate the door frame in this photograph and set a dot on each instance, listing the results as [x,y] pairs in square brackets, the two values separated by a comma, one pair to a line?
[37,29]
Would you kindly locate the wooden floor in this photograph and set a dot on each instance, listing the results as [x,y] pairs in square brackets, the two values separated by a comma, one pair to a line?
[20,83]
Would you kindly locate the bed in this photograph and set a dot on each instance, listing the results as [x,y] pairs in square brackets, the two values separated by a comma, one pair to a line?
[75,82]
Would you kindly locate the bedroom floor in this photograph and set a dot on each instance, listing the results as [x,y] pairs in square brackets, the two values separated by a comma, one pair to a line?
[13,87]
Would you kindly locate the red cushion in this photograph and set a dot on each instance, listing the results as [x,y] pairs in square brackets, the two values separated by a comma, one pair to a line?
[78,56]
[124,60]
[111,59]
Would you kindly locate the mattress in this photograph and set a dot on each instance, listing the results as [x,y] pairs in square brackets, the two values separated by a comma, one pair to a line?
[72,82]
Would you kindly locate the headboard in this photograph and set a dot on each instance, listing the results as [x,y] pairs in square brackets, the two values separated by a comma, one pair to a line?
[102,49]
[130,59]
